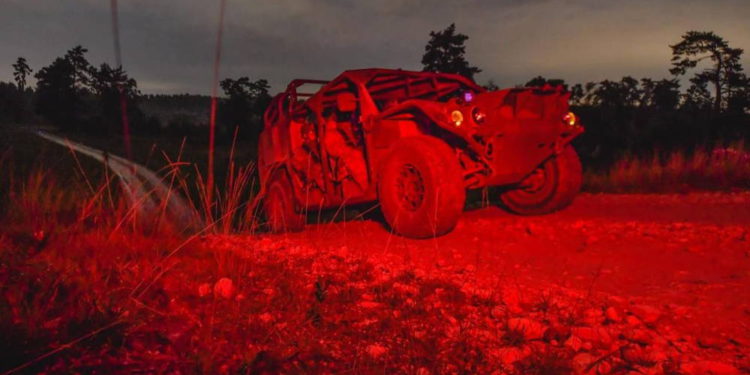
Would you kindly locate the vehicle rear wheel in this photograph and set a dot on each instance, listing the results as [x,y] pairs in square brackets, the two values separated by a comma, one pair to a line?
[279,207]
[421,187]
[550,187]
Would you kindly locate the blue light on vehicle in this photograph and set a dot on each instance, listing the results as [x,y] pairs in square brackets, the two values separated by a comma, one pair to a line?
[468,96]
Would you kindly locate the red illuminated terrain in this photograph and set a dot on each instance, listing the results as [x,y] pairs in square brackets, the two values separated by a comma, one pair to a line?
[378,221]
[638,282]
[616,284]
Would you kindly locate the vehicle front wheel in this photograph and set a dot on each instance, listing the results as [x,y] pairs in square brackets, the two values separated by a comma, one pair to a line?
[550,187]
[279,207]
[421,188]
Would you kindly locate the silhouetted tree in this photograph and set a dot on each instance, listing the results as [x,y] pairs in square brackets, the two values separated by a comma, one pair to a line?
[245,105]
[653,117]
[445,51]
[576,94]
[57,98]
[12,103]
[110,86]
[540,81]
[725,73]
[697,96]
[631,91]
[576,91]
[661,95]
[738,87]
[75,95]
[613,94]
[21,70]
[587,94]
[83,70]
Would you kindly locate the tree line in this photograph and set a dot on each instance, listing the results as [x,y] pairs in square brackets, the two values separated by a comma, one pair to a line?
[641,116]
[77,96]
[625,116]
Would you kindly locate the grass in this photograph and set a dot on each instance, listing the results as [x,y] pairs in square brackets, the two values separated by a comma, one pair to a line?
[75,276]
[83,291]
[721,168]
[180,163]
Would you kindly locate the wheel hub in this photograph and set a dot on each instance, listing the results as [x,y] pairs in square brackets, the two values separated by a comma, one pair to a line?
[535,181]
[410,187]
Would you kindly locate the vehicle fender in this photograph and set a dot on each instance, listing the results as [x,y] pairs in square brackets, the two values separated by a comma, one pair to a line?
[435,112]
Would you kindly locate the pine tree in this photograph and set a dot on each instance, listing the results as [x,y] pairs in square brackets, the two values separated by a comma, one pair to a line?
[444,53]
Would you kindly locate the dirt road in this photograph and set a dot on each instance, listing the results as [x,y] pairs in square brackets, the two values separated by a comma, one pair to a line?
[688,254]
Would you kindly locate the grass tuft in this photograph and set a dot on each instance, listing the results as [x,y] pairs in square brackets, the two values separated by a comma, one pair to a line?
[718,168]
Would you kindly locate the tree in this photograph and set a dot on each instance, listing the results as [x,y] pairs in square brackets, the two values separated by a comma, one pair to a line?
[444,53]
[613,94]
[57,98]
[697,96]
[12,104]
[111,86]
[83,70]
[576,94]
[739,100]
[725,72]
[588,96]
[245,105]
[540,81]
[75,95]
[576,91]
[21,70]
[111,81]
[631,92]
[662,95]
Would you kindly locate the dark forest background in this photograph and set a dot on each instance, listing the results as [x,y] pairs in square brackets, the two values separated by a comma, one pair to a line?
[704,103]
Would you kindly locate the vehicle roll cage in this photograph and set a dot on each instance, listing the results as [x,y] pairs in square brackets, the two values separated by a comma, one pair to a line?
[379,82]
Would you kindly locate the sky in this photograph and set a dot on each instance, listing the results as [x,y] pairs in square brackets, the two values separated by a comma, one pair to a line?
[168,45]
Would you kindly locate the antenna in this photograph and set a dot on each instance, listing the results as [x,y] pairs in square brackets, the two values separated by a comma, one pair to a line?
[214,94]
[118,65]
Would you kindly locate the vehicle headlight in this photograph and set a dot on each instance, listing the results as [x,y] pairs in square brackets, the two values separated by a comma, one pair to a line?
[478,116]
[570,119]
[457,118]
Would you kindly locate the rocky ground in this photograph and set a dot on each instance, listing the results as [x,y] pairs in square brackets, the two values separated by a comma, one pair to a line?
[642,283]
[616,284]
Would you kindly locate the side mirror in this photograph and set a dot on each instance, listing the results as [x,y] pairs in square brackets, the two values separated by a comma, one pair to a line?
[346,102]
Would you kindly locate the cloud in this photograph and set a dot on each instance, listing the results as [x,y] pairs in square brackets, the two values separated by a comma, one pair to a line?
[168,45]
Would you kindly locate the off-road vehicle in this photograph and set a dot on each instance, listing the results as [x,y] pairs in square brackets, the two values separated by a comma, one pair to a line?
[414,142]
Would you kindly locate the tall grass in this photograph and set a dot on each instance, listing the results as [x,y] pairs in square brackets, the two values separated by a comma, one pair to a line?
[231,205]
[45,287]
[713,168]
[79,267]
[80,292]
